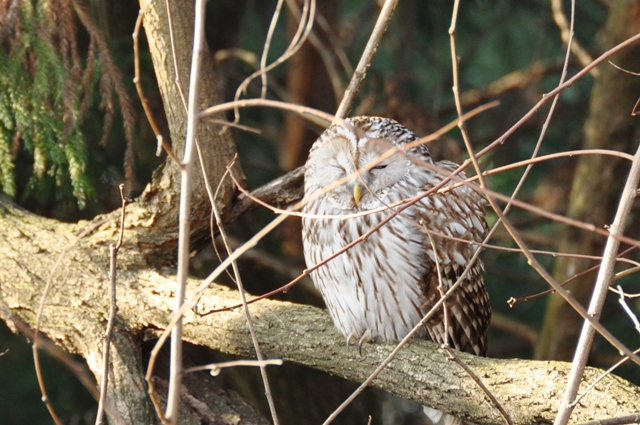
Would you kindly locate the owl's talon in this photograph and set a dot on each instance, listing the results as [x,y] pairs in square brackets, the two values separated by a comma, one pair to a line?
[364,338]
[349,339]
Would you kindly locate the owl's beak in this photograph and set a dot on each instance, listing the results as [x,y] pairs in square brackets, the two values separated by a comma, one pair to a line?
[357,192]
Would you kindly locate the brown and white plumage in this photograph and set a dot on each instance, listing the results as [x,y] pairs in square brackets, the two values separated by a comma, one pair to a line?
[382,287]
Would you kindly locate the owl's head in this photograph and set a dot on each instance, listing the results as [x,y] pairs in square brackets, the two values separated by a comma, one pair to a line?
[361,144]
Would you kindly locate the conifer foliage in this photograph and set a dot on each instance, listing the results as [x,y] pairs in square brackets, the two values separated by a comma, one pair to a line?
[48,83]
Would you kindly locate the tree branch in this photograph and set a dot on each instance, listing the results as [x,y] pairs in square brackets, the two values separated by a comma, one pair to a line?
[528,390]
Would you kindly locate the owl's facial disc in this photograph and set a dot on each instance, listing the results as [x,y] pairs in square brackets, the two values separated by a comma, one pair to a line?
[343,155]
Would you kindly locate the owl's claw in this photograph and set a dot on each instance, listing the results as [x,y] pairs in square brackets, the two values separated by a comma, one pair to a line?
[349,339]
[366,337]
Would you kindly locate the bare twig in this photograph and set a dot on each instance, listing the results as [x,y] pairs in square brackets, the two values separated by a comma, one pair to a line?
[512,301]
[602,376]
[445,314]
[113,261]
[477,380]
[323,51]
[367,56]
[548,96]
[634,111]
[627,310]
[600,290]
[476,164]
[304,28]
[215,368]
[543,132]
[304,111]
[621,420]
[566,33]
[245,307]
[615,291]
[161,140]
[45,293]
[78,369]
[265,50]
[175,372]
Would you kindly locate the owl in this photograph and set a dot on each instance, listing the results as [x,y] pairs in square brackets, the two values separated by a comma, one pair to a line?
[382,287]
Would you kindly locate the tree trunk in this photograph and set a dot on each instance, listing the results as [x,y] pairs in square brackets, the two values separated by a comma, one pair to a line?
[162,195]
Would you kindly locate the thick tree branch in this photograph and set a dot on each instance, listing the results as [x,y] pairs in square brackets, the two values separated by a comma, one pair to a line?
[75,317]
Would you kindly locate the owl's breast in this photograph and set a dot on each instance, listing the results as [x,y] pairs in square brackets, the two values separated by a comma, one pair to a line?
[373,285]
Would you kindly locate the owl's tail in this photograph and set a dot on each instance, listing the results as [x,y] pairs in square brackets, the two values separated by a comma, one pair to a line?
[436,417]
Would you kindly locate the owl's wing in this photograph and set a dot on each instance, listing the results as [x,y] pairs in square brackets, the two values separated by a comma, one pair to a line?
[458,214]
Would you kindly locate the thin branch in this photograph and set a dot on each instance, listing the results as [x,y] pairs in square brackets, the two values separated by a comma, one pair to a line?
[441,289]
[483,184]
[545,126]
[267,44]
[245,307]
[216,368]
[78,369]
[477,380]
[367,57]
[306,23]
[600,290]
[304,111]
[512,301]
[323,51]
[566,33]
[113,261]
[571,81]
[161,140]
[599,378]
[621,420]
[36,331]
[175,372]
[634,111]
[627,310]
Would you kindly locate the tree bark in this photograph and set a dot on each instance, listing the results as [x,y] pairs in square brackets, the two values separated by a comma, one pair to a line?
[78,305]
[162,195]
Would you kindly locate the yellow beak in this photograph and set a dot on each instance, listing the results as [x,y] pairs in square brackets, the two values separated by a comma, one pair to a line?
[357,192]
